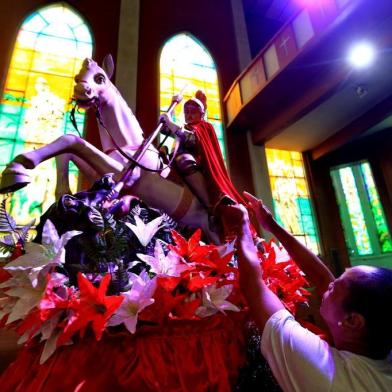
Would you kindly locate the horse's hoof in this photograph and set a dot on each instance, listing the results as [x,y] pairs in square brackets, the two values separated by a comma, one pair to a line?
[14,177]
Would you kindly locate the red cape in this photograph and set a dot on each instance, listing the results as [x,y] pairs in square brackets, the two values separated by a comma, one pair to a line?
[218,180]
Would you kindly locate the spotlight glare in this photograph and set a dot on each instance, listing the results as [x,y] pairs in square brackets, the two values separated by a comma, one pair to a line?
[361,55]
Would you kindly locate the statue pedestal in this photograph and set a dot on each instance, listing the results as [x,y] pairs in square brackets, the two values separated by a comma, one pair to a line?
[194,356]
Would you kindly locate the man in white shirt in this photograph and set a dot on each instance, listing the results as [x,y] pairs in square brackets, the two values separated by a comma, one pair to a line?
[356,307]
[302,361]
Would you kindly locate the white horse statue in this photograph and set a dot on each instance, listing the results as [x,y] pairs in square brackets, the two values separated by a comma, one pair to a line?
[93,87]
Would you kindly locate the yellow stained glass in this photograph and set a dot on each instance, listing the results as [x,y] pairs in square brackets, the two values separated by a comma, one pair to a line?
[292,204]
[357,218]
[36,102]
[186,64]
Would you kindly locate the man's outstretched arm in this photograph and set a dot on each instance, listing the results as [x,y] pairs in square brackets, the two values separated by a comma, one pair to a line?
[317,272]
[263,303]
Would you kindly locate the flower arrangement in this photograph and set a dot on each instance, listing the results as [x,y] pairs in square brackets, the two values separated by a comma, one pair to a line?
[178,279]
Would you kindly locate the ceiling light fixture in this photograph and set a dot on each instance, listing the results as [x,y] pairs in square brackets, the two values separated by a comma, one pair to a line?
[361,55]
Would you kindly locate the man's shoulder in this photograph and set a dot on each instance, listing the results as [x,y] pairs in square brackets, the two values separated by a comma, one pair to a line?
[360,373]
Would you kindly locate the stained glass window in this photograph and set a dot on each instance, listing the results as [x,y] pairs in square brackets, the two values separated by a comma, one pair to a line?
[292,205]
[186,66]
[357,218]
[35,105]
[383,234]
[365,228]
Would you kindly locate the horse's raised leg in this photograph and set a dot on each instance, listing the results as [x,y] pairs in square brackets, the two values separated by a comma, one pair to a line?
[62,175]
[62,170]
[15,175]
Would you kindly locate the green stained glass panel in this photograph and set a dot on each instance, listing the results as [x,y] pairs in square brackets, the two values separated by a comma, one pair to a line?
[378,214]
[291,199]
[5,152]
[362,239]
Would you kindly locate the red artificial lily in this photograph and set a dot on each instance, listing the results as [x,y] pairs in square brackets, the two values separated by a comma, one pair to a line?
[191,250]
[192,279]
[92,306]
[164,303]
[196,280]
[220,264]
[208,266]
[51,303]
[186,310]
[169,283]
[284,279]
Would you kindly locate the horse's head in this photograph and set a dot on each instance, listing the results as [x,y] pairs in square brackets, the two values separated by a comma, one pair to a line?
[93,82]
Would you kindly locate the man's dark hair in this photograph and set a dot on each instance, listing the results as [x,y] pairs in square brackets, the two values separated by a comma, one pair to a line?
[370,295]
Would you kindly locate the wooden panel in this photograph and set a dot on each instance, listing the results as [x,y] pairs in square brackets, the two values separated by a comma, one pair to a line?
[253,80]
[234,103]
[286,47]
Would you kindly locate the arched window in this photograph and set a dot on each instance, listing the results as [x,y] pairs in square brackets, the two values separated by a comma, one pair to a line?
[50,47]
[291,199]
[186,65]
[368,239]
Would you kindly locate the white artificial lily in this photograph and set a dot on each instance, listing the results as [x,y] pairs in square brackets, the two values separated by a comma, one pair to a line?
[281,254]
[214,301]
[26,297]
[40,258]
[164,265]
[46,330]
[17,280]
[49,333]
[135,300]
[145,231]
[49,330]
[51,345]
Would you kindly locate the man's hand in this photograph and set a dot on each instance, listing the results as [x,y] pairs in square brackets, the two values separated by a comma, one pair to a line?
[317,272]
[235,219]
[263,214]
[262,302]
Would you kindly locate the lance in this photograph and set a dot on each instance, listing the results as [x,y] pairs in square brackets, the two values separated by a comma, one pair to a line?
[128,170]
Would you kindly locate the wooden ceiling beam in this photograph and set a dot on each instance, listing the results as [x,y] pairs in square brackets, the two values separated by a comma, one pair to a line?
[360,125]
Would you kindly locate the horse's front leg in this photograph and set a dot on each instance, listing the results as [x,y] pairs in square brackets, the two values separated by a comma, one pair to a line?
[62,169]
[62,175]
[16,176]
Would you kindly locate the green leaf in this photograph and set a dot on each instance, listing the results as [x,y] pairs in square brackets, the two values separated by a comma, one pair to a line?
[24,231]
[7,244]
[7,223]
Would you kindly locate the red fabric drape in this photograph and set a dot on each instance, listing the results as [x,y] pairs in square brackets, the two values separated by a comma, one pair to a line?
[186,356]
[218,180]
